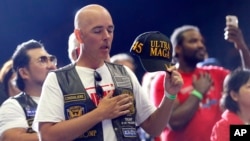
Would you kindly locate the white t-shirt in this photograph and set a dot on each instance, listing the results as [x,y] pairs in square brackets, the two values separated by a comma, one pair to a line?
[51,105]
[12,115]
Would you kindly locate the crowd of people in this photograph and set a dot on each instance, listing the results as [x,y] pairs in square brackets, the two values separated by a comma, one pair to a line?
[198,100]
[99,97]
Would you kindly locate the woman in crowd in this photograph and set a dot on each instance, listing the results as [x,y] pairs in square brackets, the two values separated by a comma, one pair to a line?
[235,103]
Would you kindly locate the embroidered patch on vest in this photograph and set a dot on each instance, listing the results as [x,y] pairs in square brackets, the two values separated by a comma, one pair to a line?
[30,111]
[75,111]
[91,133]
[129,132]
[123,82]
[131,108]
[74,97]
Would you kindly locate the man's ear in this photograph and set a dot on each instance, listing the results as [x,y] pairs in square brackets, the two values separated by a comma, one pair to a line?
[78,35]
[23,73]
[177,49]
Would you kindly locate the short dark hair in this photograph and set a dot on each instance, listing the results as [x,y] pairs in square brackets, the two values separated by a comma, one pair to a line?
[235,80]
[21,59]
[177,38]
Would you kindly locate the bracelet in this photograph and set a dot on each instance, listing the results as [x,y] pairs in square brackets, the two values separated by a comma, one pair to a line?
[197,94]
[170,96]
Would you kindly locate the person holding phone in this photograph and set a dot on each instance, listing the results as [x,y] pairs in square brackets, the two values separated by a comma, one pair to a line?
[197,108]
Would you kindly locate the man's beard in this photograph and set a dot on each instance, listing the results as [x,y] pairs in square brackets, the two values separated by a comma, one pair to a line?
[193,59]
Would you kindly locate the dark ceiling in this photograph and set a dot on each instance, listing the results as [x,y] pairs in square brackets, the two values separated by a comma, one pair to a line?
[51,22]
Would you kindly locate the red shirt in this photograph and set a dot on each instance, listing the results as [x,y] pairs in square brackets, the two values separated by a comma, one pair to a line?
[221,130]
[209,112]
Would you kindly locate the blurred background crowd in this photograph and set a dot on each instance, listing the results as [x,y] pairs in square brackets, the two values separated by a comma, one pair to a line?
[51,22]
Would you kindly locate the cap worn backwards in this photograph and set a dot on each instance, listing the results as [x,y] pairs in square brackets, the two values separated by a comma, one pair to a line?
[154,50]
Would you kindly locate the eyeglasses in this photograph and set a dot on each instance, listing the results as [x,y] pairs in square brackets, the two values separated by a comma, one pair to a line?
[98,88]
[44,60]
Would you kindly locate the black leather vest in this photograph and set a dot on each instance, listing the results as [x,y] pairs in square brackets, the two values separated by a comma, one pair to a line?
[77,102]
[29,107]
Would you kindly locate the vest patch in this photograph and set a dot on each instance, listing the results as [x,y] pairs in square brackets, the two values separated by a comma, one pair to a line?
[75,111]
[131,108]
[74,97]
[30,111]
[30,121]
[91,133]
[123,82]
[129,132]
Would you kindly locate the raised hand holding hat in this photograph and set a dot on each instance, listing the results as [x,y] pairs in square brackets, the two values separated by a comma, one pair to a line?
[154,50]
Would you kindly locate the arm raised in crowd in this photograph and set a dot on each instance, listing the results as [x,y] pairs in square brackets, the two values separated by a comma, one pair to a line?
[235,35]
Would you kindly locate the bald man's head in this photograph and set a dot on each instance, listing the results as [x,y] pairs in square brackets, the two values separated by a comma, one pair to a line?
[89,13]
[90,19]
[94,30]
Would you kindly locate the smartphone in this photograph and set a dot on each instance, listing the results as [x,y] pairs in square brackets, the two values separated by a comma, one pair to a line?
[232,20]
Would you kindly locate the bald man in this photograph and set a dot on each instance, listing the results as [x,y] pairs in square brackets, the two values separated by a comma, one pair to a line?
[96,100]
